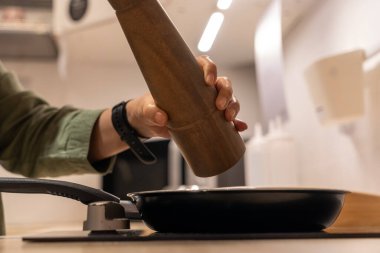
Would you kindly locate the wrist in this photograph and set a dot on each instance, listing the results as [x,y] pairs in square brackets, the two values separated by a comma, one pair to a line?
[132,116]
[105,141]
[128,134]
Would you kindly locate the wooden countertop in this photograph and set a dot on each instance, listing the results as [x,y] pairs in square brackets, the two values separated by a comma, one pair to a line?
[13,243]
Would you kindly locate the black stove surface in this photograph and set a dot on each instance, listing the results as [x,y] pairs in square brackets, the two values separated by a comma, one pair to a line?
[144,235]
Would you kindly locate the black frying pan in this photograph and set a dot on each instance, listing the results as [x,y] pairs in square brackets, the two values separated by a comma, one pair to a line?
[227,210]
[239,209]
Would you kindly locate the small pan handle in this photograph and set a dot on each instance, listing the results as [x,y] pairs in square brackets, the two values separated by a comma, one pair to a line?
[82,193]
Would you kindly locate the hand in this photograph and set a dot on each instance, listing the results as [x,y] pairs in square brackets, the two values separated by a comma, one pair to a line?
[151,121]
[225,99]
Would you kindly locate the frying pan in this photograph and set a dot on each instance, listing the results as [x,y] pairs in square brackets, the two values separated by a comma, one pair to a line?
[224,210]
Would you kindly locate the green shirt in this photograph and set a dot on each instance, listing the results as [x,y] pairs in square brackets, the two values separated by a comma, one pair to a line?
[38,140]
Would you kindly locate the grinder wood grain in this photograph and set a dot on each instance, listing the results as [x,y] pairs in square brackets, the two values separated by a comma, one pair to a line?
[209,143]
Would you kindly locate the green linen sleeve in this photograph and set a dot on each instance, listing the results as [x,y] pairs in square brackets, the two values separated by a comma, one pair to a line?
[38,140]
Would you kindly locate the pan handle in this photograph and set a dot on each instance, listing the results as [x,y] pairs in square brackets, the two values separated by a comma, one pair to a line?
[82,193]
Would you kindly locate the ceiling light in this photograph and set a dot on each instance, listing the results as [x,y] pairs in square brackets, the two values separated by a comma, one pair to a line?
[224,4]
[210,32]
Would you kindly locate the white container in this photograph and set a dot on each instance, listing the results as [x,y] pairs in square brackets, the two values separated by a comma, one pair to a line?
[271,160]
[256,160]
[337,88]
[282,157]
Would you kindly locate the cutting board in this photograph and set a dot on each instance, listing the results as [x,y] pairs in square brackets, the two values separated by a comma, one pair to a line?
[361,212]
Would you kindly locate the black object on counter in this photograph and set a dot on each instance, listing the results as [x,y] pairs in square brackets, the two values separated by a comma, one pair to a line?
[239,209]
[219,210]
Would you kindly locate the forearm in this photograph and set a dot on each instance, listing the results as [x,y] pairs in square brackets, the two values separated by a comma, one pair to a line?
[105,141]
[48,142]
[39,140]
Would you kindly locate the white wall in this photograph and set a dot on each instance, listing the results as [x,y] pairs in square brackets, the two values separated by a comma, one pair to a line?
[328,157]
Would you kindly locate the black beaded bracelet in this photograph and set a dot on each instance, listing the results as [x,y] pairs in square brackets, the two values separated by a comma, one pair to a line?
[129,135]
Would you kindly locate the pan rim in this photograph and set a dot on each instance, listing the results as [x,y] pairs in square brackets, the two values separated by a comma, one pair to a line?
[242,189]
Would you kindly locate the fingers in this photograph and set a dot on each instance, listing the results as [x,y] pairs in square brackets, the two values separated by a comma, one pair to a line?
[223,84]
[224,101]
[232,109]
[209,69]
[150,113]
[224,87]
[156,121]
[147,118]
[230,113]
[240,125]
[154,115]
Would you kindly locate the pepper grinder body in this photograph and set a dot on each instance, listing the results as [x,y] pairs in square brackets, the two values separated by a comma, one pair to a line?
[209,143]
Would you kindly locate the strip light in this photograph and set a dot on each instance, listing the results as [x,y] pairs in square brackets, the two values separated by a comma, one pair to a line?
[224,4]
[210,32]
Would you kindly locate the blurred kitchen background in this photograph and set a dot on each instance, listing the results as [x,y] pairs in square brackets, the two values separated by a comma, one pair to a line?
[306,73]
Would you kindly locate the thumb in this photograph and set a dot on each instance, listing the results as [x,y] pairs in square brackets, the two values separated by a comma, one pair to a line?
[156,116]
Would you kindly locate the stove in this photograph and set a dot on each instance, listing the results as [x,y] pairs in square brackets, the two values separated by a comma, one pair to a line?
[149,235]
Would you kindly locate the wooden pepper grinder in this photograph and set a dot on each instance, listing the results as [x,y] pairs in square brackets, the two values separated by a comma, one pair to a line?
[209,143]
